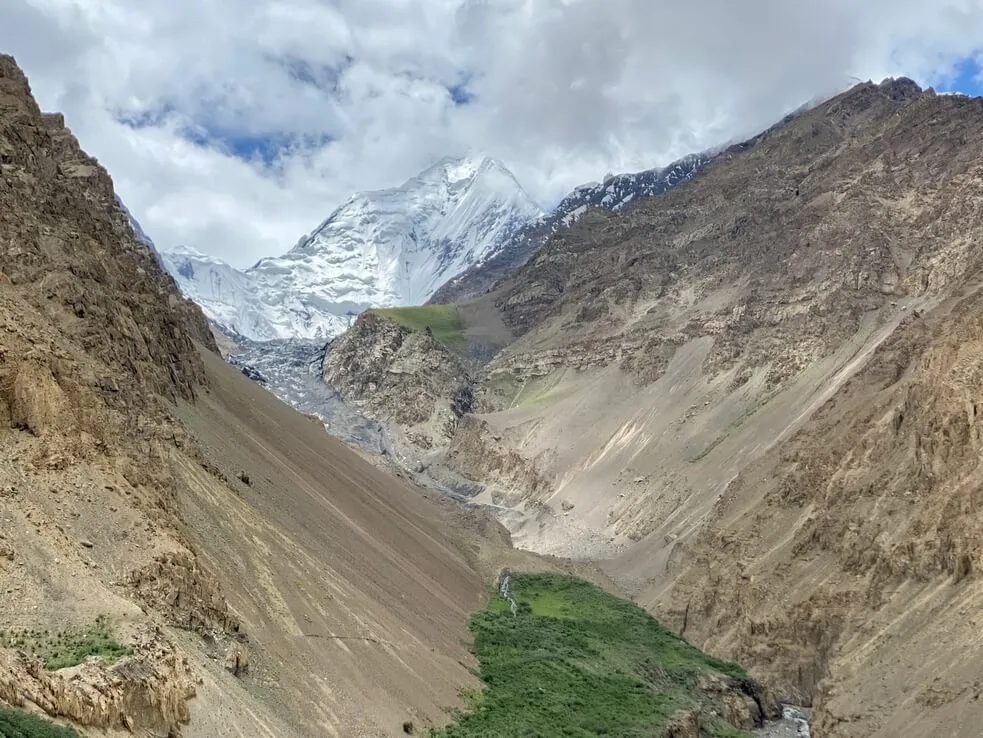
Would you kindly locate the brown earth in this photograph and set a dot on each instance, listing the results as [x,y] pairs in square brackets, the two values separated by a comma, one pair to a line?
[843,563]
[759,389]
[354,601]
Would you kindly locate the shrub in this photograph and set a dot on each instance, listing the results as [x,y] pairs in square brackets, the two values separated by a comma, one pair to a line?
[68,648]
[20,724]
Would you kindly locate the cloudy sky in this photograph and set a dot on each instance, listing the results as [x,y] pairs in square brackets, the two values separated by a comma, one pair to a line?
[236,126]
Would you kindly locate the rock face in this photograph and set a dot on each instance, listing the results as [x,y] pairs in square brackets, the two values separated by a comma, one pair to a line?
[147,695]
[186,595]
[97,345]
[110,298]
[741,703]
[763,384]
[870,501]
[391,371]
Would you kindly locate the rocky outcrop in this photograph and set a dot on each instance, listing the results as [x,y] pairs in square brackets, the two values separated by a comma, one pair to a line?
[762,283]
[36,402]
[176,586]
[145,694]
[739,703]
[390,371]
[477,453]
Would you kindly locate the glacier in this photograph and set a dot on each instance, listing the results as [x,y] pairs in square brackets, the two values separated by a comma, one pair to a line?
[383,248]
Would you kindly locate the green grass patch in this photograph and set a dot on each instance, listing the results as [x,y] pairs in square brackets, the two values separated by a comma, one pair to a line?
[503,385]
[512,392]
[578,662]
[444,322]
[20,724]
[64,648]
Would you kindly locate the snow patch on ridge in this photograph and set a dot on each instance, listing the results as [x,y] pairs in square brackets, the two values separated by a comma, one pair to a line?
[382,248]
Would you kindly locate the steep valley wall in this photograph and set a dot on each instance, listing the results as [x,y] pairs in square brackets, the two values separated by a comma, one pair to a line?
[759,389]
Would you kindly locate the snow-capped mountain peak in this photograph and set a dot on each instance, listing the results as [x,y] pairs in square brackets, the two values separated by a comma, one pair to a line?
[381,248]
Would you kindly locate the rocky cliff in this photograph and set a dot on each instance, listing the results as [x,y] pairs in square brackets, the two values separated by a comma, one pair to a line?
[843,563]
[757,387]
[390,371]
[96,346]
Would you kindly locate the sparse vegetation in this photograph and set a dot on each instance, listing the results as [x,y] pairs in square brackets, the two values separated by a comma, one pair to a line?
[66,648]
[20,724]
[576,661]
[503,385]
[442,320]
[514,392]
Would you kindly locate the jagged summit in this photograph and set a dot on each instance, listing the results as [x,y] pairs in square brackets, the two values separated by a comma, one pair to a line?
[901,88]
[614,193]
[381,248]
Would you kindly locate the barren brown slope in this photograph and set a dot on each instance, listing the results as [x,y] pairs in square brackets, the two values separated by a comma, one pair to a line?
[845,563]
[668,363]
[350,583]
[668,350]
[663,349]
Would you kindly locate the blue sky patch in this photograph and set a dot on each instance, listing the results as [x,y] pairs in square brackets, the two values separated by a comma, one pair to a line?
[145,118]
[460,94]
[261,148]
[966,79]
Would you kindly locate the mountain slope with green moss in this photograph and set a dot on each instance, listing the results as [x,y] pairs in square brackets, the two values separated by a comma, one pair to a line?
[444,323]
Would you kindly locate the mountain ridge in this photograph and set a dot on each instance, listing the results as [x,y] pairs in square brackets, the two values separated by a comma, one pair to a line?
[614,193]
[381,248]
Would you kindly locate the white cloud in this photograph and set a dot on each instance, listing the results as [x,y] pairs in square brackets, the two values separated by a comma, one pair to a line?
[354,94]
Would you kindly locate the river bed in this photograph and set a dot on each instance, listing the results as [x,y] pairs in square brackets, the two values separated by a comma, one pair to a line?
[794,724]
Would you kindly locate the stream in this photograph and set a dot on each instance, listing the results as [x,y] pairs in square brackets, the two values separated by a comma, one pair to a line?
[794,724]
